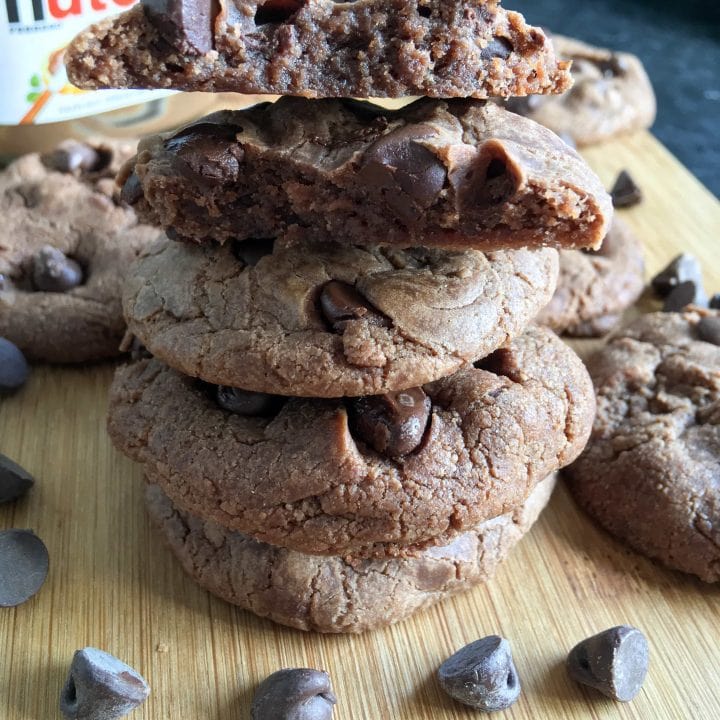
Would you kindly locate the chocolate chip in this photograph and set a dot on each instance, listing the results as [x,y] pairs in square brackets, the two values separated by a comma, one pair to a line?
[277,11]
[244,402]
[341,303]
[53,271]
[709,329]
[132,191]
[407,175]
[686,293]
[614,66]
[715,302]
[72,155]
[186,24]
[482,675]
[15,481]
[208,151]
[250,252]
[683,267]
[498,47]
[24,566]
[13,367]
[615,662]
[625,193]
[101,687]
[393,424]
[294,694]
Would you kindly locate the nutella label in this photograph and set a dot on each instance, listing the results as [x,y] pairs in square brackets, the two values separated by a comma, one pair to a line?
[33,84]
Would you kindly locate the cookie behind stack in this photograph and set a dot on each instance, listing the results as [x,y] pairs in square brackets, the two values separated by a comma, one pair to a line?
[345,413]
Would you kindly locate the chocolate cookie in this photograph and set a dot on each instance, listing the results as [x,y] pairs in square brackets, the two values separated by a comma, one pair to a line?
[611,95]
[650,472]
[332,594]
[328,319]
[359,477]
[66,241]
[319,48]
[456,173]
[594,288]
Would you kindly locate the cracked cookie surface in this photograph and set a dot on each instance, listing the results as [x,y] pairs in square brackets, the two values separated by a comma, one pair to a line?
[457,174]
[594,288]
[256,321]
[301,478]
[331,594]
[51,202]
[651,471]
[320,48]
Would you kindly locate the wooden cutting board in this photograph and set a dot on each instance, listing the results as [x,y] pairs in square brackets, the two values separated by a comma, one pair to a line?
[112,584]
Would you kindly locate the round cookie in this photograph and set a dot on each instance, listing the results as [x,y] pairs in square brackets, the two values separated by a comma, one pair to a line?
[306,474]
[63,224]
[649,474]
[611,95]
[594,288]
[332,594]
[330,320]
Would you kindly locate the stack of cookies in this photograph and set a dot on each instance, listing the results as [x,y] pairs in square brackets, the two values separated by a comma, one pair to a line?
[338,397]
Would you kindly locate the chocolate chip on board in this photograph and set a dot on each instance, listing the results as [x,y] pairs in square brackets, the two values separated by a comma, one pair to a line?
[294,694]
[686,293]
[625,193]
[13,367]
[393,424]
[482,675]
[54,272]
[101,687]
[709,329]
[24,564]
[249,404]
[186,24]
[15,481]
[615,662]
[680,269]
[340,303]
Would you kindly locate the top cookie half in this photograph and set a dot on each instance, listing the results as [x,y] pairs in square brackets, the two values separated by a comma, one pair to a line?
[320,48]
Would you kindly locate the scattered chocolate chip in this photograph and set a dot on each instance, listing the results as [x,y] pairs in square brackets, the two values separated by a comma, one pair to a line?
[498,47]
[186,24]
[71,155]
[708,329]
[686,293]
[615,662]
[15,481]
[207,150]
[682,268]
[341,303]
[393,424]
[132,191]
[294,694]
[13,367]
[53,271]
[101,687]
[409,176]
[24,566]
[244,402]
[715,302]
[482,675]
[250,252]
[277,11]
[625,193]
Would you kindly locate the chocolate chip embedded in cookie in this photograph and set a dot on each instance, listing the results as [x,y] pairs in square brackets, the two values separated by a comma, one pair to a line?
[66,241]
[309,478]
[316,48]
[332,594]
[594,288]
[650,472]
[611,95]
[456,174]
[328,319]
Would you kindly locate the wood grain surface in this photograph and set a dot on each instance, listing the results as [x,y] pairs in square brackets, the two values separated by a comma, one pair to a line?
[112,583]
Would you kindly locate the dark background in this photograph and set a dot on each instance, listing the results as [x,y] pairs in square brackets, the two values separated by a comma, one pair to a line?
[679,43]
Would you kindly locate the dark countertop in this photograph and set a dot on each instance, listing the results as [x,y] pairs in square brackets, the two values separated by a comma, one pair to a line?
[679,43]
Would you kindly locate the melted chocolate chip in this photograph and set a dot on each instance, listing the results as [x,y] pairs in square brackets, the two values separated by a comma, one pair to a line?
[498,47]
[132,191]
[71,156]
[251,404]
[407,174]
[277,11]
[393,424]
[207,150]
[709,329]
[250,252]
[625,193]
[341,303]
[186,24]
[53,271]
